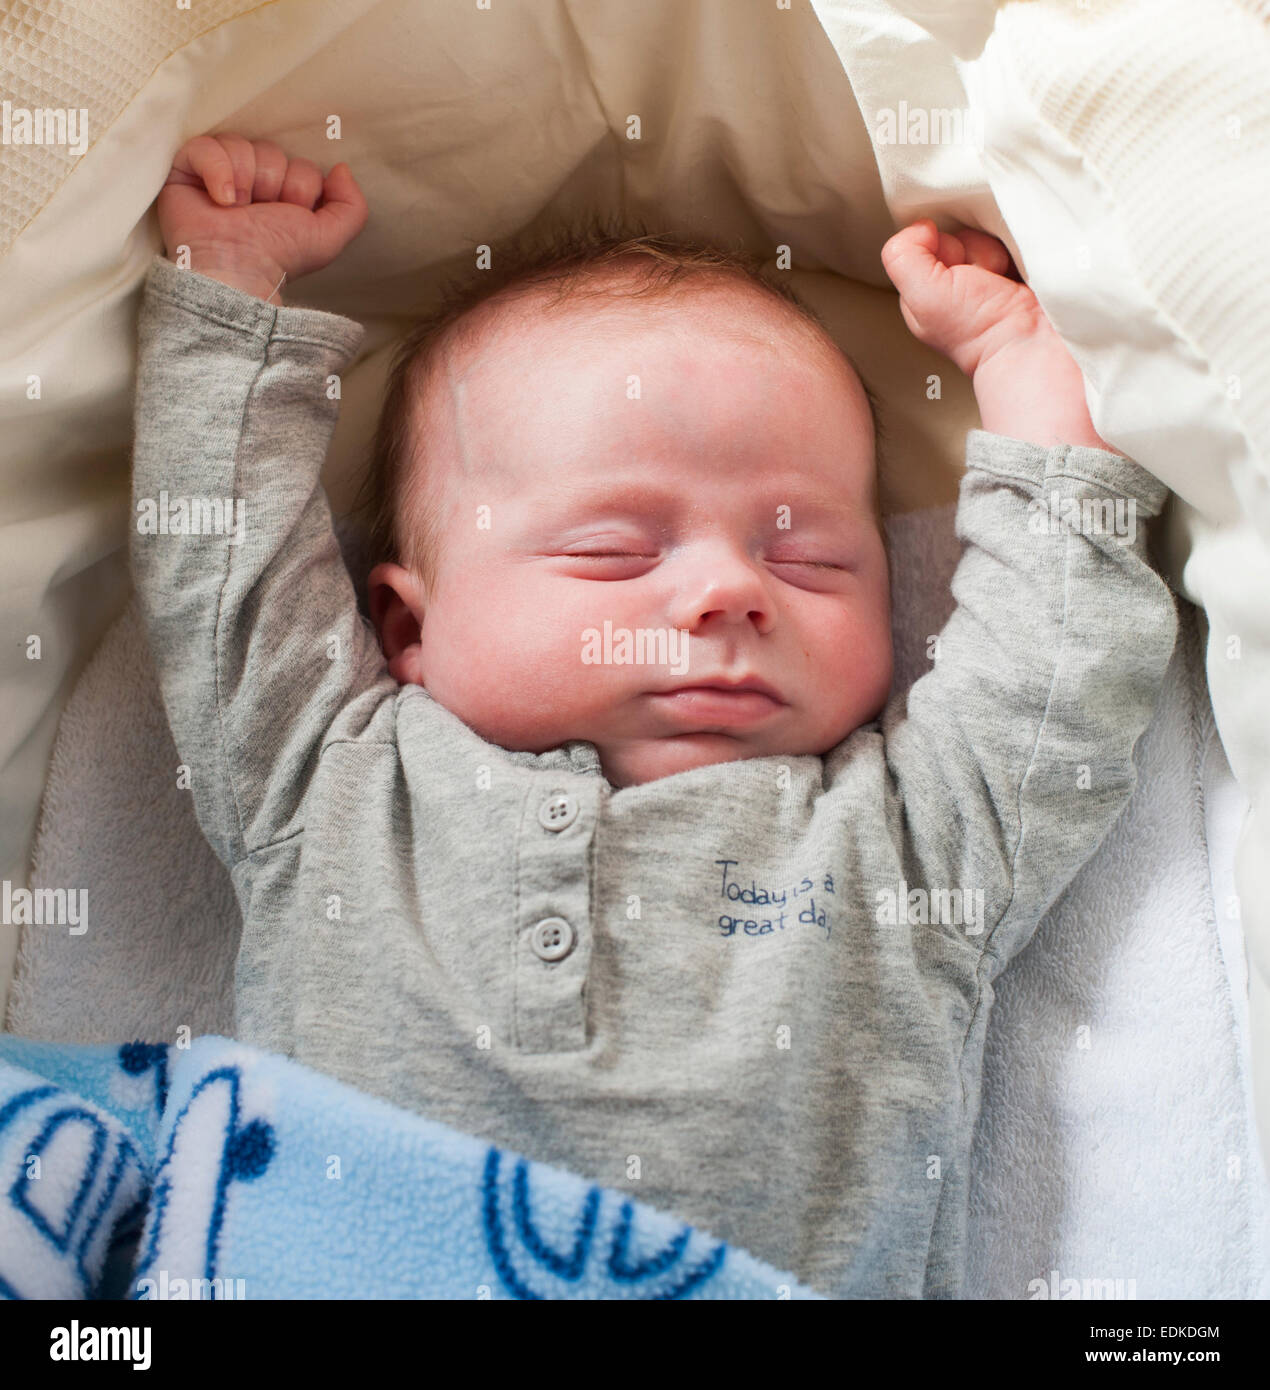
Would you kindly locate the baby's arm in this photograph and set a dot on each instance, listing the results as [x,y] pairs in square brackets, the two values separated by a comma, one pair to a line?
[1015,754]
[254,628]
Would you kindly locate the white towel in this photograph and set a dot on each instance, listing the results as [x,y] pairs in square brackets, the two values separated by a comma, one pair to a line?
[1115,1141]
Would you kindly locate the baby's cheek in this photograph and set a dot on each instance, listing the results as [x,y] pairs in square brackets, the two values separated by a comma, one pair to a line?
[517,679]
[879,669]
[855,675]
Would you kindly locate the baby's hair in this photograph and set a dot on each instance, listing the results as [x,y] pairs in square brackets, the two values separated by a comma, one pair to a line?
[572,255]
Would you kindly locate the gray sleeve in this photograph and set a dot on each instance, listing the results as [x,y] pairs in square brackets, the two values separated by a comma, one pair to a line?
[1014,756]
[250,611]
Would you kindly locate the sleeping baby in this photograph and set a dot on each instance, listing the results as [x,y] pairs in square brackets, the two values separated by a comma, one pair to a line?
[605,839]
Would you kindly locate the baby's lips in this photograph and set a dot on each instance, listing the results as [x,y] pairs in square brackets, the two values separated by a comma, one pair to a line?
[738,687]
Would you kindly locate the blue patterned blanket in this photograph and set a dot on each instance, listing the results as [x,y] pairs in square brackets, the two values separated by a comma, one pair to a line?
[217,1170]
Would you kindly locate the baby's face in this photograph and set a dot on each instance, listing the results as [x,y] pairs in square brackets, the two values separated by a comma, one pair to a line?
[695,470]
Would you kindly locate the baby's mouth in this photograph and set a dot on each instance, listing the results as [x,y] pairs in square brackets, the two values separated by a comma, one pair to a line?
[718,705]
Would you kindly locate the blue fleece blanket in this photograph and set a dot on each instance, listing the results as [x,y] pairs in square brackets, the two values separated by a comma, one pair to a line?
[217,1170]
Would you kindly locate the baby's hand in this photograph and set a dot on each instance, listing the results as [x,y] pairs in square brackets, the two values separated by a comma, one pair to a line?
[962,296]
[249,215]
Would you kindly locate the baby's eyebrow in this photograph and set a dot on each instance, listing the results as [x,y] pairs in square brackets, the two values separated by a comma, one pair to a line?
[645,499]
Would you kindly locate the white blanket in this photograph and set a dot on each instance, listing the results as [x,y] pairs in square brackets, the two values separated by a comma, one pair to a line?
[1123,155]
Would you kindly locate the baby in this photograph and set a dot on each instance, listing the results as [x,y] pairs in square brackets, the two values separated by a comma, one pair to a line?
[720,932]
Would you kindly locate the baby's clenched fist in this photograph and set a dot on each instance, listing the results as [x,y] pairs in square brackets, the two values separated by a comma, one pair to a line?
[959,294]
[250,216]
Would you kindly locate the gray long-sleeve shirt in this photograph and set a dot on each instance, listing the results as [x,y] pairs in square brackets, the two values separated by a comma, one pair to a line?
[753,994]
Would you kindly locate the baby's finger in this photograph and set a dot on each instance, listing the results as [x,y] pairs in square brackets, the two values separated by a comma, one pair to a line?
[271,171]
[243,158]
[951,251]
[985,250]
[909,247]
[343,212]
[204,161]
[303,183]
[912,259]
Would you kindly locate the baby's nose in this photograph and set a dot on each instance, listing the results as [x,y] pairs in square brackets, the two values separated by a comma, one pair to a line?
[720,583]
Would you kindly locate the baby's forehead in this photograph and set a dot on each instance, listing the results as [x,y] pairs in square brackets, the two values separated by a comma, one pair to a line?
[610,306]
[475,384]
[721,320]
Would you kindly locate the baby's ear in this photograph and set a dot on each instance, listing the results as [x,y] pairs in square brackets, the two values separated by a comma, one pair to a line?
[397,602]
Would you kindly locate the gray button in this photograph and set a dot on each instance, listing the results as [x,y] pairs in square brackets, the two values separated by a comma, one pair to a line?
[551,939]
[558,811]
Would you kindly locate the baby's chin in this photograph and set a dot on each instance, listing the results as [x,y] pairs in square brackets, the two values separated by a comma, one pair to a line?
[649,760]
